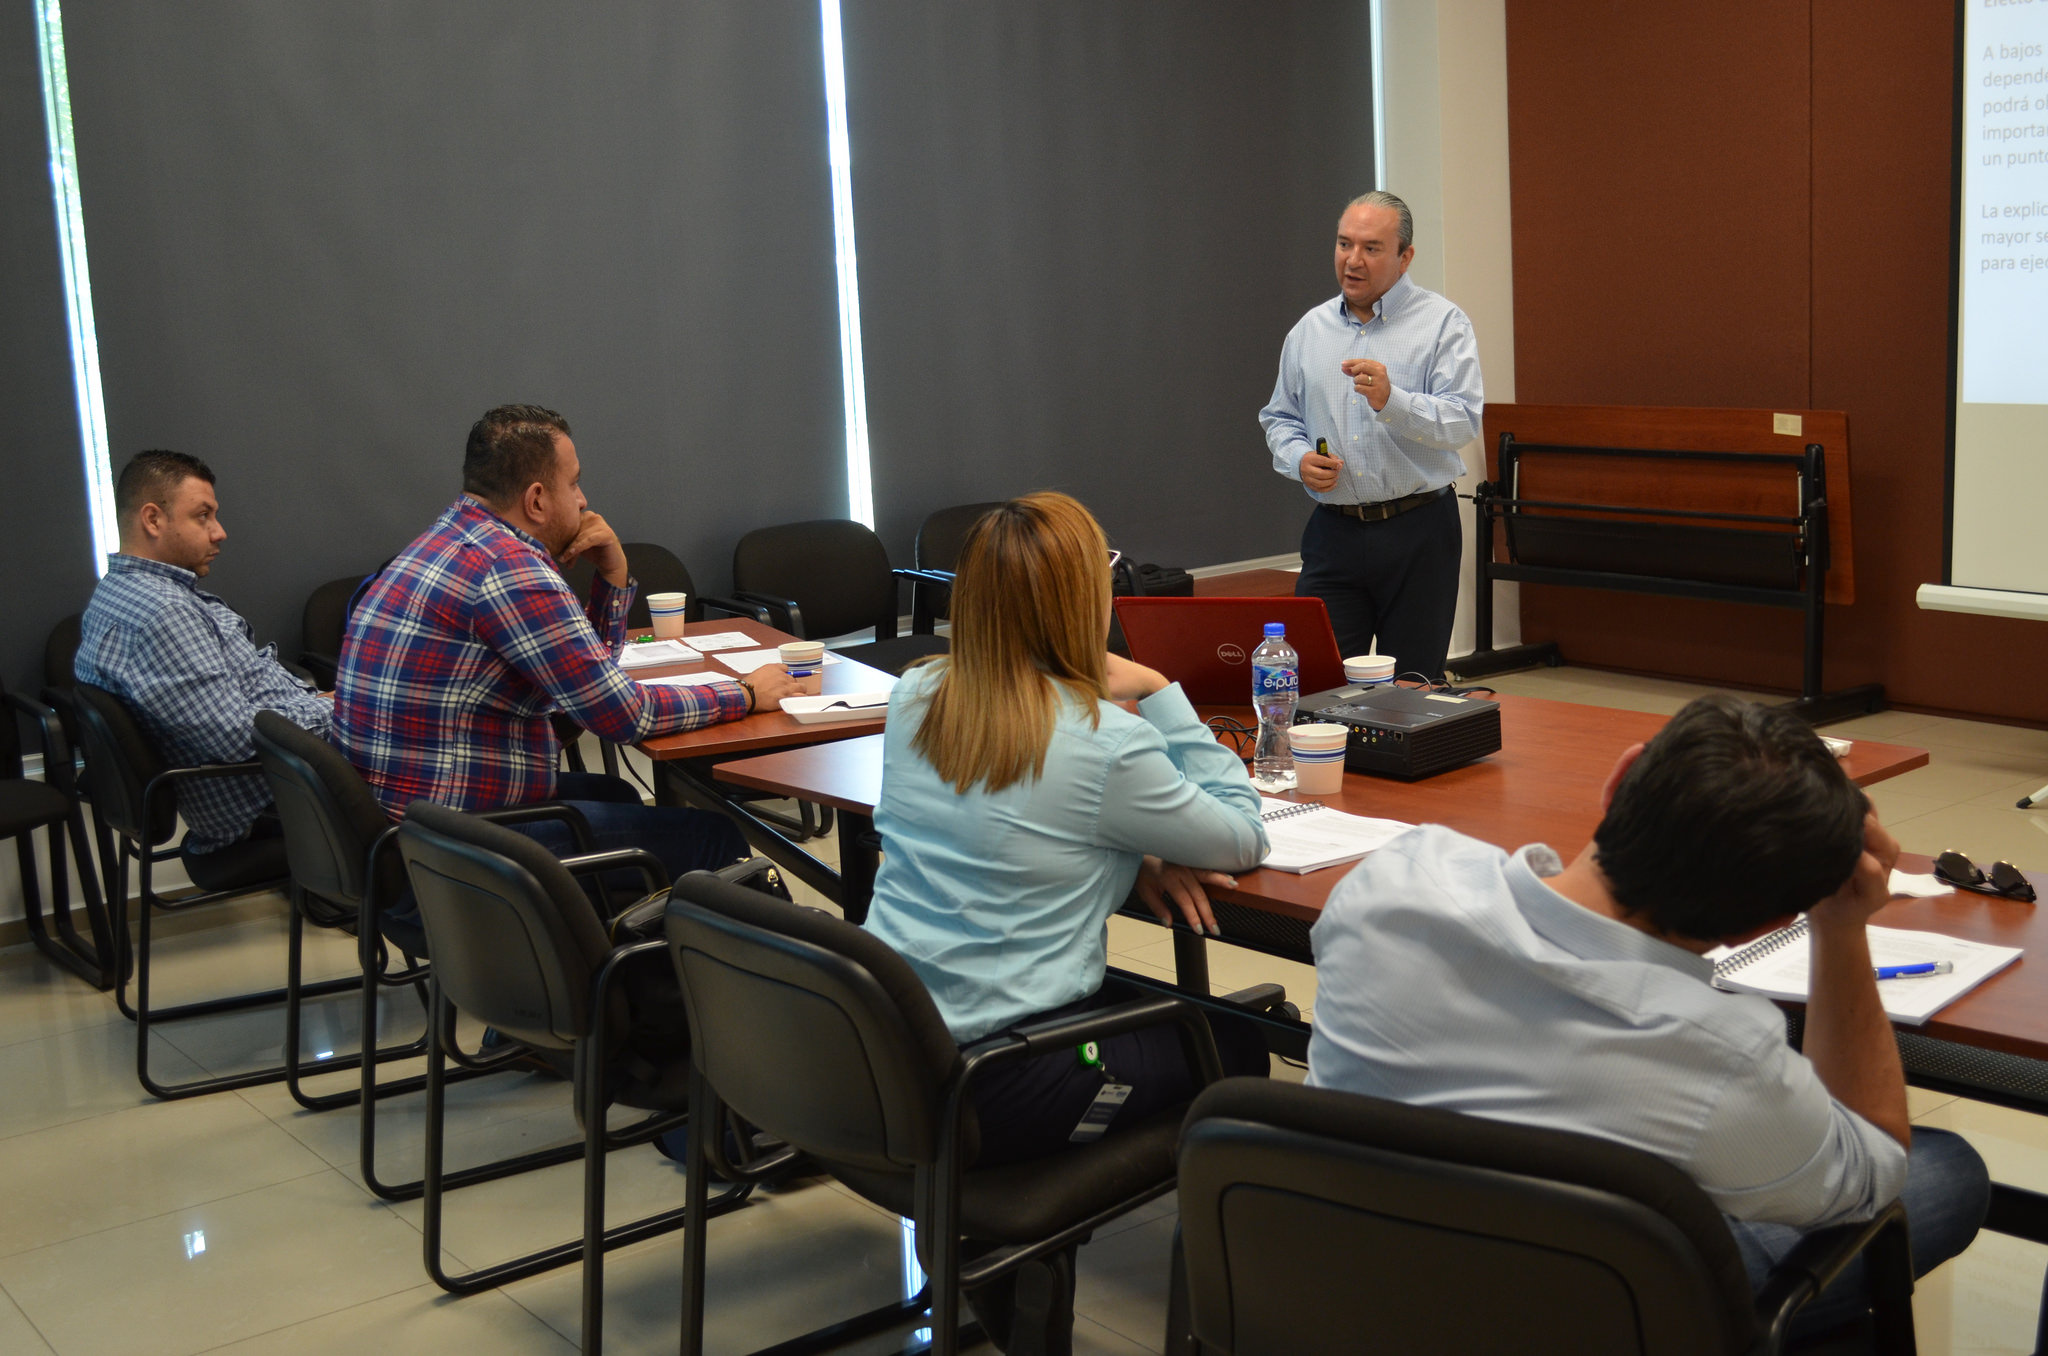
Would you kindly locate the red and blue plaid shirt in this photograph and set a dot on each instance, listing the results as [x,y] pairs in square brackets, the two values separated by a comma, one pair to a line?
[461,648]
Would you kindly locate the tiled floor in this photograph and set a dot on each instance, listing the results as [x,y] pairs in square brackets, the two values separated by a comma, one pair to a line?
[238,1222]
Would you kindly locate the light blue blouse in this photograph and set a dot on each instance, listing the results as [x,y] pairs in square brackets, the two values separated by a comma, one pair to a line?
[999,900]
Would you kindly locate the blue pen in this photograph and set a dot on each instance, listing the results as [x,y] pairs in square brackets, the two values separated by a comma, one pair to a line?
[1920,971]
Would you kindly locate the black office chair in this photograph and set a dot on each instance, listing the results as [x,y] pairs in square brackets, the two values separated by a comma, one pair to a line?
[51,804]
[346,873]
[1311,1219]
[828,578]
[60,650]
[937,551]
[134,799]
[516,945]
[323,623]
[823,1037]
[658,570]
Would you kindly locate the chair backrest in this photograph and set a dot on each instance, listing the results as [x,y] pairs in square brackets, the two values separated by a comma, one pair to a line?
[515,941]
[942,534]
[120,763]
[1310,1217]
[836,570]
[330,818]
[810,1028]
[657,569]
[939,540]
[323,622]
[60,650]
[10,740]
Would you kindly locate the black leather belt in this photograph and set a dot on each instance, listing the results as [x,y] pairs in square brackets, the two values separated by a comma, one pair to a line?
[1392,508]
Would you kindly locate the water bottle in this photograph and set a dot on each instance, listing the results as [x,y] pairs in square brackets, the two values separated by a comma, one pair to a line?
[1276,684]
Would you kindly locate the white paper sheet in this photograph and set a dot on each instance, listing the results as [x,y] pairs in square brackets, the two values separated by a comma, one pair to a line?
[723,640]
[748,660]
[687,680]
[648,653]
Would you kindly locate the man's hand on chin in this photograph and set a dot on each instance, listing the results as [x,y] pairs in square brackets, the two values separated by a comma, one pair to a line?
[595,538]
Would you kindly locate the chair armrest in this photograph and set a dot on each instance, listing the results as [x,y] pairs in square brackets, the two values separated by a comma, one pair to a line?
[1822,1255]
[1043,1038]
[1156,1010]
[165,783]
[792,615]
[50,734]
[300,672]
[923,616]
[579,827]
[735,607]
[649,866]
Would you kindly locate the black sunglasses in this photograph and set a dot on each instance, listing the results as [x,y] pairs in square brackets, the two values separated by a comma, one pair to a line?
[1953,868]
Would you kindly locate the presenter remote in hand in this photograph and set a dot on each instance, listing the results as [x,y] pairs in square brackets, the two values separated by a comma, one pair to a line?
[1379,389]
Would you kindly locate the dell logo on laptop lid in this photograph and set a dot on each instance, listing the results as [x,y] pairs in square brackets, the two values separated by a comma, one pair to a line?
[1230,654]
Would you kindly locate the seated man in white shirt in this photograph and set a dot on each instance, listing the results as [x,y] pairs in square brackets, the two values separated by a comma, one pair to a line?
[1451,974]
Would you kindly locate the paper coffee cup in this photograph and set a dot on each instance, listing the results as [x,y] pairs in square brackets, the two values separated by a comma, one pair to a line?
[667,611]
[1318,758]
[1366,669]
[804,660]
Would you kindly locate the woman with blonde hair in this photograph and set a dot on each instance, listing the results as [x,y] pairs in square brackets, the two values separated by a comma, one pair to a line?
[1022,801]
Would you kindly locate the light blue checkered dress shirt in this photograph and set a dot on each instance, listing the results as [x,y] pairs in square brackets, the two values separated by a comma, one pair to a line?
[1433,409]
[183,662]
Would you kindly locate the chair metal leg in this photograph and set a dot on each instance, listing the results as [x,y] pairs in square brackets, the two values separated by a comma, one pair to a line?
[295,995]
[595,1141]
[704,1111]
[138,961]
[57,936]
[1180,1328]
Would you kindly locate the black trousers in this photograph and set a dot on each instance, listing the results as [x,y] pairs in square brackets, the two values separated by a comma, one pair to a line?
[1027,1109]
[1395,581]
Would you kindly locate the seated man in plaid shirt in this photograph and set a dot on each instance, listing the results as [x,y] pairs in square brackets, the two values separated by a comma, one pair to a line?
[180,657]
[459,650]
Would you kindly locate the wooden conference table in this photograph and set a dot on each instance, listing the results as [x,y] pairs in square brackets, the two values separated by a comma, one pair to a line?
[1544,786]
[684,763]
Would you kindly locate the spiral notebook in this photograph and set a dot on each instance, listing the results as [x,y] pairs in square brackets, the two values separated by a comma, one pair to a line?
[1308,835]
[1776,967]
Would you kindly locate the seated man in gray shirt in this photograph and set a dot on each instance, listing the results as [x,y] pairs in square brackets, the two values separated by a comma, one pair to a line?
[1451,974]
[180,657]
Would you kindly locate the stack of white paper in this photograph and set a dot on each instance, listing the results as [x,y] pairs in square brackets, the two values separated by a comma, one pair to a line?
[1776,967]
[648,653]
[1308,835]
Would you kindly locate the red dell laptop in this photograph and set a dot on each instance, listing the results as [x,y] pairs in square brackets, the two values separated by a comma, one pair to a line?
[1206,644]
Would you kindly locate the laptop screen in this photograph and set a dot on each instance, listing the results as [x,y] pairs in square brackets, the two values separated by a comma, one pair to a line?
[1206,644]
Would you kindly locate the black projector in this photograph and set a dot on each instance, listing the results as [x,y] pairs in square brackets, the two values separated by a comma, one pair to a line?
[1404,732]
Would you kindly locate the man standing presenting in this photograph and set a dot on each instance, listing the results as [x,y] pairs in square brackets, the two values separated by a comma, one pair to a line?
[471,636]
[1378,390]
[1450,974]
[180,657]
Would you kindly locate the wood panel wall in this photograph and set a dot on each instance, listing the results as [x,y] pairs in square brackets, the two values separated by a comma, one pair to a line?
[1746,203]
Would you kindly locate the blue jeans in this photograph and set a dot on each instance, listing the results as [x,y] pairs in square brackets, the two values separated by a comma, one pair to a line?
[685,840]
[1947,1191]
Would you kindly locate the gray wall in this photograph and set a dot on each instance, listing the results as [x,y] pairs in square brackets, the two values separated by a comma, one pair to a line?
[325,237]
[46,567]
[1084,231]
